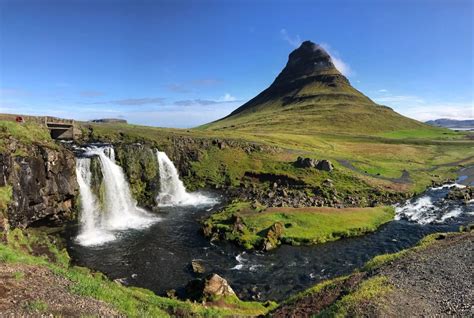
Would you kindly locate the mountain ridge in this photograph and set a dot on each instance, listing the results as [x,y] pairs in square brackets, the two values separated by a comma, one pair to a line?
[451,123]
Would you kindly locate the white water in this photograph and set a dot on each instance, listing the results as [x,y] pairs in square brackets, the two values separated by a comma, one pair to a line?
[119,211]
[432,207]
[172,190]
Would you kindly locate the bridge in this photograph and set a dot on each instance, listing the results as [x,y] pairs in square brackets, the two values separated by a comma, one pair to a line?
[63,129]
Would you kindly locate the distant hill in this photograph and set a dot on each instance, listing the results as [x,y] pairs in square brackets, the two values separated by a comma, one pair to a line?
[451,123]
[311,95]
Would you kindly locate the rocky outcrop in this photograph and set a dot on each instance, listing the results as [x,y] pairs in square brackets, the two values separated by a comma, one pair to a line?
[272,239]
[44,186]
[211,287]
[323,165]
[140,165]
[461,194]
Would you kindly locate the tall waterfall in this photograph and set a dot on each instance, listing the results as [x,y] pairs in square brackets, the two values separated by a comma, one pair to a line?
[119,210]
[172,190]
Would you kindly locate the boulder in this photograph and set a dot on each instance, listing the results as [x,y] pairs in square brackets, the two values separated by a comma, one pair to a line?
[324,165]
[197,266]
[305,162]
[272,239]
[208,288]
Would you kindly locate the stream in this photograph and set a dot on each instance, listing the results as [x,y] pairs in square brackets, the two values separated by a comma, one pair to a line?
[158,257]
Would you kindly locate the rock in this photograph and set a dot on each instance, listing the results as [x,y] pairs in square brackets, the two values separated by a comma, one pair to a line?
[44,186]
[461,194]
[197,266]
[305,162]
[210,287]
[215,285]
[324,165]
[272,239]
[120,281]
[328,183]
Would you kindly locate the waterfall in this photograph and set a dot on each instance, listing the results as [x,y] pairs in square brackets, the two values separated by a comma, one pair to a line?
[172,190]
[119,211]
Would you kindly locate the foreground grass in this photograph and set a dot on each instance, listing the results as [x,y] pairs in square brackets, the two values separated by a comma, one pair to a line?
[132,302]
[298,225]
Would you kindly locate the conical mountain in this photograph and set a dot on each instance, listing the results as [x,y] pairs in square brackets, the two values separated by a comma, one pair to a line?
[311,95]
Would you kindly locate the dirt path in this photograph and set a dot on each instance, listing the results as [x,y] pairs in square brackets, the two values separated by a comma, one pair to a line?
[27,291]
[403,179]
[436,282]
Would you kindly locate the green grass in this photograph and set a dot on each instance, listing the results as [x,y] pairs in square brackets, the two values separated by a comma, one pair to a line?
[352,305]
[428,133]
[130,301]
[423,153]
[381,260]
[301,225]
[36,306]
[5,199]
[26,134]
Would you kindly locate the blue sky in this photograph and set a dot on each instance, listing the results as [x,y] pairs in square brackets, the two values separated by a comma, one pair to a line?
[184,63]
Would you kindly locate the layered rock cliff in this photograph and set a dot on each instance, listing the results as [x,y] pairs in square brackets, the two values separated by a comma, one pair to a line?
[41,180]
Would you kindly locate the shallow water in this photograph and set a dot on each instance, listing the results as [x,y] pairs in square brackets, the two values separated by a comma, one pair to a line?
[158,257]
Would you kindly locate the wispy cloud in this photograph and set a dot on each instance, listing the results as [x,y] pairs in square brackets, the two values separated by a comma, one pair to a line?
[189,86]
[342,66]
[400,99]
[227,98]
[135,101]
[294,41]
[91,93]
[383,90]
[178,88]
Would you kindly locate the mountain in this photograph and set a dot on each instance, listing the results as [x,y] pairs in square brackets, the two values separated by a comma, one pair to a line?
[451,123]
[311,95]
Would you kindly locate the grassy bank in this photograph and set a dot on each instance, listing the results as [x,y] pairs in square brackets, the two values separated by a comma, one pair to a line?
[366,291]
[253,227]
[37,250]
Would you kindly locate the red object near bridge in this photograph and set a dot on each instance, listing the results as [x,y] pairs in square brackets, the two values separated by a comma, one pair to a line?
[20,119]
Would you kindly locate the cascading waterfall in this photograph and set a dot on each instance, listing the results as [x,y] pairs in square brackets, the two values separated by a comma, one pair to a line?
[432,208]
[172,190]
[119,211]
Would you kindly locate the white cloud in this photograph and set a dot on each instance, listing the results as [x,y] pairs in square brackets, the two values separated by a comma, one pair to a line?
[399,99]
[426,112]
[227,98]
[342,66]
[383,90]
[421,109]
[293,41]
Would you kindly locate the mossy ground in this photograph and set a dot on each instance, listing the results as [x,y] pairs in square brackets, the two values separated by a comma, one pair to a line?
[36,248]
[301,225]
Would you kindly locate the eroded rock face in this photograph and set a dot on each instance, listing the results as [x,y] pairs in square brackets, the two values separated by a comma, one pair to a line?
[44,186]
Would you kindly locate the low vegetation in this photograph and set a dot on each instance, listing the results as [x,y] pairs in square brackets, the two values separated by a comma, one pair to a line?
[25,134]
[260,227]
